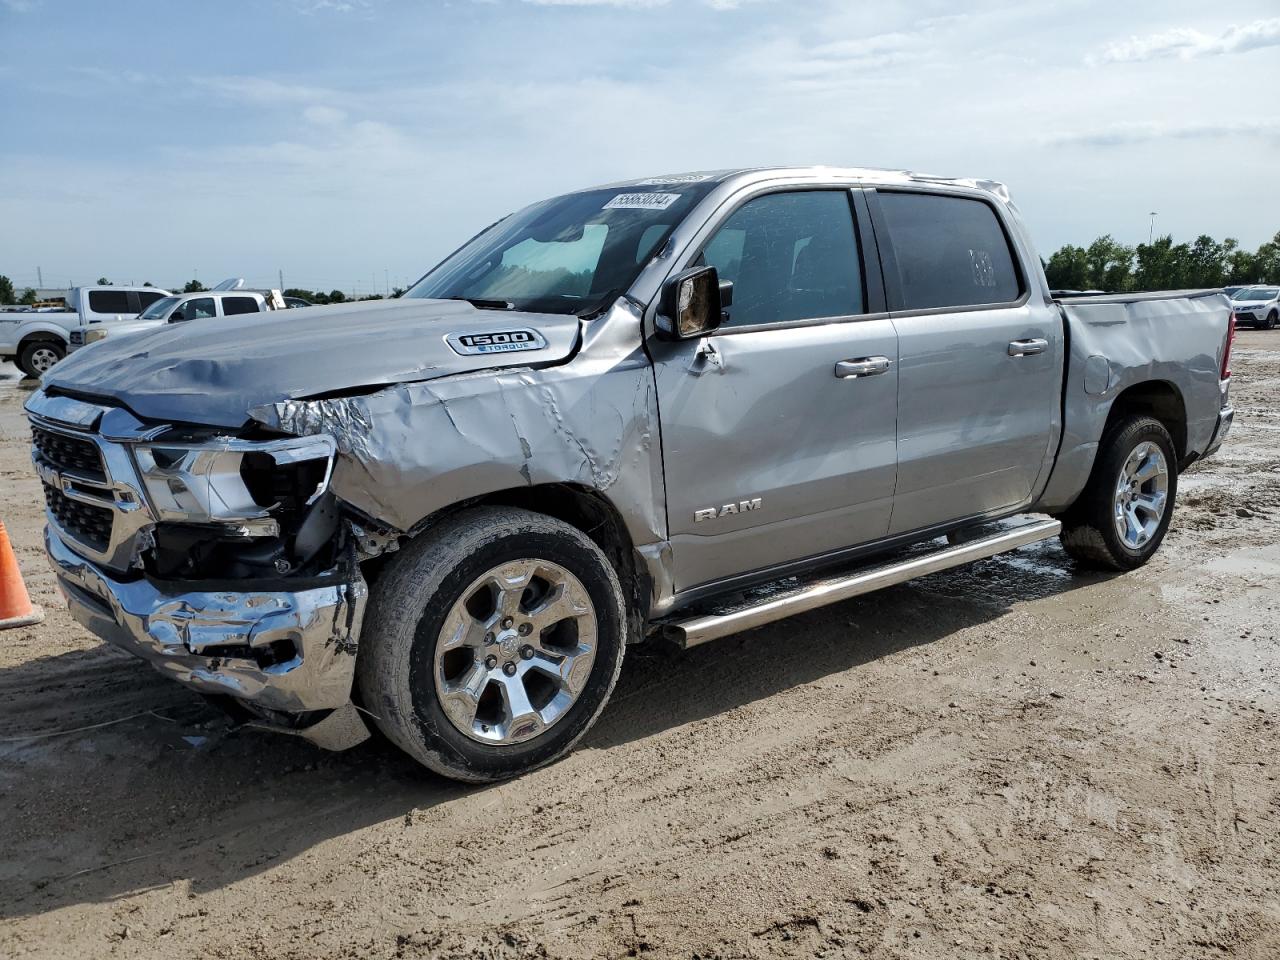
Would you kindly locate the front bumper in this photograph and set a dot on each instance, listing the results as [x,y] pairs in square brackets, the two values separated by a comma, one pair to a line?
[289,652]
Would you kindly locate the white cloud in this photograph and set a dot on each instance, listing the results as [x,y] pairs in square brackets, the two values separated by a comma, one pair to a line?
[1186,43]
[265,91]
[632,4]
[335,6]
[637,4]
[324,116]
[1122,134]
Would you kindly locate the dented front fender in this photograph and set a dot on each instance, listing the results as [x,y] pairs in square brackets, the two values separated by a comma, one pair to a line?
[411,449]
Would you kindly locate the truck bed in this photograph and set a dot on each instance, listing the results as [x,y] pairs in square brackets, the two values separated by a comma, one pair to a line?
[1169,341]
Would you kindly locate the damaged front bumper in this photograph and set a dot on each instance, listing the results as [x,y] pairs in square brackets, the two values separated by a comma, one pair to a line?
[286,653]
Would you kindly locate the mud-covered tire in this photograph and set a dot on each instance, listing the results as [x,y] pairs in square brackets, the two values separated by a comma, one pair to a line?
[422,585]
[1090,532]
[39,356]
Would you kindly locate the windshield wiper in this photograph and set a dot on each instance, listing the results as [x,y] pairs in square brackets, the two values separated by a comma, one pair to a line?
[482,304]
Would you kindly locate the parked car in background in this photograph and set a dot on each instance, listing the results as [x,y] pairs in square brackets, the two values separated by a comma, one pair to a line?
[1231,291]
[678,407]
[39,339]
[179,308]
[295,303]
[1257,307]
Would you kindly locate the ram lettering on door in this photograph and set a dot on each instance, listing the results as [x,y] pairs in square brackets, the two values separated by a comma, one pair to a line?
[728,510]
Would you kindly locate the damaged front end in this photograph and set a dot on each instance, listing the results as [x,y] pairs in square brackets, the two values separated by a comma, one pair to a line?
[224,560]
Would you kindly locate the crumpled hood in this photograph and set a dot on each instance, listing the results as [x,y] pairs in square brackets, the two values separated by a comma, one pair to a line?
[213,371]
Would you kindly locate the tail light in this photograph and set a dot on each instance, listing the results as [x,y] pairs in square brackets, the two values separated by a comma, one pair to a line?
[1226,350]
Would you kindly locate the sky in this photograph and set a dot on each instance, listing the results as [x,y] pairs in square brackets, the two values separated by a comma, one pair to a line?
[354,143]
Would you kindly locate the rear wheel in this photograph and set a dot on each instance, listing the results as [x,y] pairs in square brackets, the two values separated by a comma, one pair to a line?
[39,356]
[492,643]
[1124,512]
[1270,322]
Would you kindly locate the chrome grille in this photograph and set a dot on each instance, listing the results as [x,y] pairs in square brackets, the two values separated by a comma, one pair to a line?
[63,452]
[87,523]
[92,492]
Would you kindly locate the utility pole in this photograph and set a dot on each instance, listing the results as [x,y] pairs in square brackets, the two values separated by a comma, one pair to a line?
[39,278]
[1151,230]
[280,276]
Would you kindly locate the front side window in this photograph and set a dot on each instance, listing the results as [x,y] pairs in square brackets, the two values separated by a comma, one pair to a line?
[158,309]
[574,254]
[231,306]
[789,256]
[194,310]
[951,251]
[109,301]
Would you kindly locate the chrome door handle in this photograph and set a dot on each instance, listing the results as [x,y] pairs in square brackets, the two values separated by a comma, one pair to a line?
[862,367]
[1027,348]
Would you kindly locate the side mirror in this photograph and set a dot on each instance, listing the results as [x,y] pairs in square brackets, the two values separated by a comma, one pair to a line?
[690,306]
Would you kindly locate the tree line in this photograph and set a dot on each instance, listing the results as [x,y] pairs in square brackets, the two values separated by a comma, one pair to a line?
[1162,265]
[336,296]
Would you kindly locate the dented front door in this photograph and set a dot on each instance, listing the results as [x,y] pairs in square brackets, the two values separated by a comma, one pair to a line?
[778,432]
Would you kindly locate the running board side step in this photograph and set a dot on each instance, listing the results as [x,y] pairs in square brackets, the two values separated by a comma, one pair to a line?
[692,631]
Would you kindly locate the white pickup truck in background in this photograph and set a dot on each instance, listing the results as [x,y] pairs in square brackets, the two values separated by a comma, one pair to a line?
[179,308]
[36,341]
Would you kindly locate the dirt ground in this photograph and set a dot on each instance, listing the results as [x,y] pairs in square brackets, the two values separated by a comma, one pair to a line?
[1010,760]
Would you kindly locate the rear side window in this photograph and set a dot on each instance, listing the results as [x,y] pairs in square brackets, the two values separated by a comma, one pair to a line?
[109,301]
[951,251]
[146,298]
[790,256]
[234,305]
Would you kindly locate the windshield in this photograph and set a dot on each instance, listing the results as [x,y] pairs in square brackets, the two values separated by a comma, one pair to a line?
[571,254]
[158,309]
[1261,294]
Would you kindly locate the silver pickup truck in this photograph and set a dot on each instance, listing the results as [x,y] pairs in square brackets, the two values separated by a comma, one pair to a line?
[676,407]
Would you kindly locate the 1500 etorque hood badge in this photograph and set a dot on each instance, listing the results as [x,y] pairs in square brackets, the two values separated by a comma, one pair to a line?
[499,341]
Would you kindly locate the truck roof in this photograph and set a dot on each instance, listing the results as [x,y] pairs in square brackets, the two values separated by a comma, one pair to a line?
[218,293]
[874,175]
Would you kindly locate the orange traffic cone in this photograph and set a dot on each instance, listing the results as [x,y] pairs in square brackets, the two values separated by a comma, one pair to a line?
[16,608]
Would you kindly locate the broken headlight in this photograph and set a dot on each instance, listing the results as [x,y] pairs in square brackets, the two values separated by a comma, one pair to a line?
[234,482]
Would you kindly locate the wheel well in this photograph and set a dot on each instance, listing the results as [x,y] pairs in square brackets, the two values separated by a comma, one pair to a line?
[589,511]
[38,335]
[1159,399]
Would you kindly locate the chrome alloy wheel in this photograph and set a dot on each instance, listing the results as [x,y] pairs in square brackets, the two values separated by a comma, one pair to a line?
[515,651]
[43,359]
[1141,495]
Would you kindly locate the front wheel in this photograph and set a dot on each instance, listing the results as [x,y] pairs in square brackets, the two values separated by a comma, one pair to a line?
[491,643]
[38,357]
[1124,512]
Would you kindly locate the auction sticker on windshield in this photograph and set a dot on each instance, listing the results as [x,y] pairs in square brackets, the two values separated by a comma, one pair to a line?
[672,181]
[642,201]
